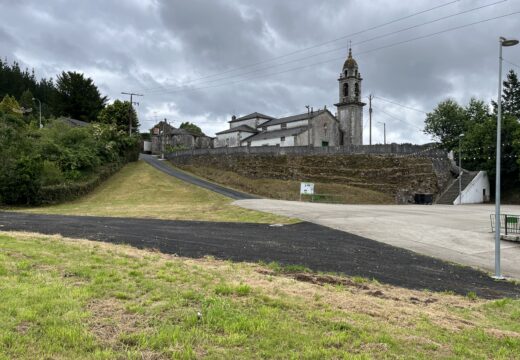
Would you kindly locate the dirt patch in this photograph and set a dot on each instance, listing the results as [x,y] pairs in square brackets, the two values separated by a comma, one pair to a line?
[23,327]
[109,320]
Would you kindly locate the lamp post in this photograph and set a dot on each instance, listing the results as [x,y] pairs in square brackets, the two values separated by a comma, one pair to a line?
[503,42]
[460,169]
[40,104]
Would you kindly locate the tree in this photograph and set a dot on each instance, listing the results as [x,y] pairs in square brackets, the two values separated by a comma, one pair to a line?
[510,96]
[10,106]
[446,123]
[192,128]
[26,100]
[78,97]
[118,114]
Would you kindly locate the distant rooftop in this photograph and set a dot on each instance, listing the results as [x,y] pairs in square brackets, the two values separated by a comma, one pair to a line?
[252,116]
[243,128]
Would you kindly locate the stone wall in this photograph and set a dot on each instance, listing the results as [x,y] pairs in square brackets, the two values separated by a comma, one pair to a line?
[389,149]
[395,175]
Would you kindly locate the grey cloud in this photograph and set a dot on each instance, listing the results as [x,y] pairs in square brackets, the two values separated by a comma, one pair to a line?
[156,46]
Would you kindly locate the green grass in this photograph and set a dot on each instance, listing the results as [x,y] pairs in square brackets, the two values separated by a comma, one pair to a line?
[74,299]
[139,190]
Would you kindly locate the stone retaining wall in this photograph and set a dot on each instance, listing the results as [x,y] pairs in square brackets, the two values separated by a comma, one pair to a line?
[398,175]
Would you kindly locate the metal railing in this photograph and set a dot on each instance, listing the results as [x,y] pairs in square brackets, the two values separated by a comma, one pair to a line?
[509,224]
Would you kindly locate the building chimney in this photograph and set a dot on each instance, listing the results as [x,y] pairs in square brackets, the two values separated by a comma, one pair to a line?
[233,118]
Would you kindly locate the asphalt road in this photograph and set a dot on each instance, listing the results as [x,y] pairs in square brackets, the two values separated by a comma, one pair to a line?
[162,166]
[460,234]
[314,246]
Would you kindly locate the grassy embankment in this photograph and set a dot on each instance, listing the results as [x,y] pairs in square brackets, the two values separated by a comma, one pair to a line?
[289,189]
[77,299]
[139,190]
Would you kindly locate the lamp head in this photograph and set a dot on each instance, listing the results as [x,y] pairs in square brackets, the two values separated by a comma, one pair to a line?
[508,42]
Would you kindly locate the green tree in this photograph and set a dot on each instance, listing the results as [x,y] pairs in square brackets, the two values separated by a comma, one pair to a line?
[510,96]
[26,100]
[119,114]
[192,128]
[446,123]
[78,97]
[10,106]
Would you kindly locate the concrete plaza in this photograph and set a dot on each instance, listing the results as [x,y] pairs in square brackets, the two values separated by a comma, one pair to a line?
[461,234]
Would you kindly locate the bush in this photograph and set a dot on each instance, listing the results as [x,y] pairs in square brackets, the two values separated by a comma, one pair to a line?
[58,162]
[69,191]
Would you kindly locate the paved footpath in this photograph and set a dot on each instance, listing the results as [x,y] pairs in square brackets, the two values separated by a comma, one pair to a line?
[164,167]
[461,234]
[314,246]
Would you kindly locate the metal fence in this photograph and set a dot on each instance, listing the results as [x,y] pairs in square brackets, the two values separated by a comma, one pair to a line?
[509,224]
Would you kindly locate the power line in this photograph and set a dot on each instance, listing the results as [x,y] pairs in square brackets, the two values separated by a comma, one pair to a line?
[398,119]
[401,105]
[511,63]
[159,90]
[317,45]
[361,53]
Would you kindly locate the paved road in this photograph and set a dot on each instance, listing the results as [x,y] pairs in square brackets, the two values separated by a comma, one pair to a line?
[460,234]
[162,166]
[317,247]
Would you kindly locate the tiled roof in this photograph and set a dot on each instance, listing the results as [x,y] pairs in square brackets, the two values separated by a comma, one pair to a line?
[252,116]
[244,128]
[264,135]
[292,118]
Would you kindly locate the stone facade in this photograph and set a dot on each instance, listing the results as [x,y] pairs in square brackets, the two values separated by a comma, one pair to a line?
[350,106]
[166,136]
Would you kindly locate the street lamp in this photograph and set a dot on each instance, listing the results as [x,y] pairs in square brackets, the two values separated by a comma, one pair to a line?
[503,42]
[40,103]
[384,131]
[460,169]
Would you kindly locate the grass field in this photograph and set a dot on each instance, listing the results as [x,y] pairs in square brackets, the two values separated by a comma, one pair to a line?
[139,190]
[76,299]
[290,189]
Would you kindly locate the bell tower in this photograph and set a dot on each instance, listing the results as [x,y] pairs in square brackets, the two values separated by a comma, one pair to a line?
[350,106]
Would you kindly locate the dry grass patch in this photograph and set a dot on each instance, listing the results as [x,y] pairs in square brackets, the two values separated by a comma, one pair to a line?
[141,191]
[132,303]
[289,189]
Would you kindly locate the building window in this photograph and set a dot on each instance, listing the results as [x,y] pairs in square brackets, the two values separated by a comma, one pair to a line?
[282,138]
[345,89]
[283,126]
[356,90]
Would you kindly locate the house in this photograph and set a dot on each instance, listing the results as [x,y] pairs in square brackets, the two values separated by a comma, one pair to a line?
[165,137]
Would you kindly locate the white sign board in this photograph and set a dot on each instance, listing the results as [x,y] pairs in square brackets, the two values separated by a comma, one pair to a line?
[306,188]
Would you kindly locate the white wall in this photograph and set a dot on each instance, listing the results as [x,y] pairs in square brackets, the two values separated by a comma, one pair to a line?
[473,193]
[289,141]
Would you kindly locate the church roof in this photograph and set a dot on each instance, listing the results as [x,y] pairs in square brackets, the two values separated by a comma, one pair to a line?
[243,128]
[264,135]
[292,118]
[350,62]
[252,116]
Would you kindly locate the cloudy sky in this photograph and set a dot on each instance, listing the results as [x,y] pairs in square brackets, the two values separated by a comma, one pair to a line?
[205,60]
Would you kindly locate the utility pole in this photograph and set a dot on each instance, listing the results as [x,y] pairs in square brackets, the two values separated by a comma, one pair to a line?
[370,97]
[308,125]
[384,132]
[132,103]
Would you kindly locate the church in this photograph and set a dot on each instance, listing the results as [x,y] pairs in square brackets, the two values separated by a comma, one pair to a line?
[317,128]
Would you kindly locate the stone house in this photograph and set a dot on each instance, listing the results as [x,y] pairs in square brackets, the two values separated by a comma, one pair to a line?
[171,137]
